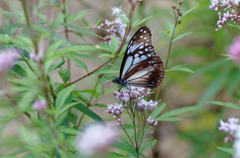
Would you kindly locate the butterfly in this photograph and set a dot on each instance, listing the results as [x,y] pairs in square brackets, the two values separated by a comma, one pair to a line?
[140,66]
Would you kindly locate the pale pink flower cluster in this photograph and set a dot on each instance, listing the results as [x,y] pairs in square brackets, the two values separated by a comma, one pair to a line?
[132,98]
[234,49]
[36,57]
[95,138]
[115,28]
[233,129]
[135,94]
[116,110]
[39,105]
[8,58]
[226,16]
[151,122]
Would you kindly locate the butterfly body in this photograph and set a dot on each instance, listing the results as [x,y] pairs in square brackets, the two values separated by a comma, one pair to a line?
[140,66]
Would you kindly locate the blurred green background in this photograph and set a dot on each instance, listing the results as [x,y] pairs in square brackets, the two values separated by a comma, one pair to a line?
[215,77]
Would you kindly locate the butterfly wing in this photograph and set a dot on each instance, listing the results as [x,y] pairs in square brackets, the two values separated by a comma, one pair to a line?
[141,67]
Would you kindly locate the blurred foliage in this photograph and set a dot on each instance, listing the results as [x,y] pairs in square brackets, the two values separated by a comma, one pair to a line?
[214,78]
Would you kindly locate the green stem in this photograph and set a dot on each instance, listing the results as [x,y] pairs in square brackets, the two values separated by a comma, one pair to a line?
[168,56]
[80,120]
[66,34]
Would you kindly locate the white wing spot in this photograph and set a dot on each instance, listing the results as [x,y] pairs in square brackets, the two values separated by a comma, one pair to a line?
[143,57]
[136,55]
[144,31]
[134,37]
[141,47]
[146,44]
[146,49]
[141,30]
[145,38]
[141,36]
[140,52]
[127,66]
[133,48]
[149,55]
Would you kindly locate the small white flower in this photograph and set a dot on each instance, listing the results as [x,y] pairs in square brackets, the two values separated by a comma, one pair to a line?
[95,138]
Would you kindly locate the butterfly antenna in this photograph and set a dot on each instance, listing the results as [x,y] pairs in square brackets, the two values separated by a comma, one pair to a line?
[104,86]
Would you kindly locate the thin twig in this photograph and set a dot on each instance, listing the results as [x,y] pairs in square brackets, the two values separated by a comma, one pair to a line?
[88,73]
[64,11]
[169,52]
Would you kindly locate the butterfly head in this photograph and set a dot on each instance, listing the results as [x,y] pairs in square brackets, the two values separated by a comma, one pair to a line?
[121,82]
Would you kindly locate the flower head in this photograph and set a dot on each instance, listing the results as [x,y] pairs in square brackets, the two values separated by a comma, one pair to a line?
[234,49]
[131,98]
[115,28]
[8,58]
[39,105]
[95,138]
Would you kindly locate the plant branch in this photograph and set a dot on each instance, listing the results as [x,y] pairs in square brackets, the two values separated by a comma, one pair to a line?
[64,11]
[169,52]
[88,73]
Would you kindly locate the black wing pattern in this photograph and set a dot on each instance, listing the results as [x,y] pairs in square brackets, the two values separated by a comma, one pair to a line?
[140,66]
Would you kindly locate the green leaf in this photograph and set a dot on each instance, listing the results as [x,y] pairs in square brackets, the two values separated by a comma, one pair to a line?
[235,25]
[29,136]
[92,58]
[13,29]
[158,110]
[81,30]
[75,49]
[188,11]
[214,87]
[181,36]
[85,22]
[165,35]
[4,119]
[231,105]
[77,16]
[180,68]
[63,95]
[19,70]
[33,151]
[5,38]
[170,27]
[90,91]
[66,107]
[16,14]
[138,22]
[106,55]
[79,62]
[114,45]
[178,112]
[70,131]
[124,19]
[57,65]
[65,74]
[228,150]
[106,71]
[22,41]
[169,119]
[114,154]
[104,46]
[85,110]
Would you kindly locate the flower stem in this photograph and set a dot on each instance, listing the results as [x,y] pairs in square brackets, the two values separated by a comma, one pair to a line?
[66,34]
[168,56]
[88,73]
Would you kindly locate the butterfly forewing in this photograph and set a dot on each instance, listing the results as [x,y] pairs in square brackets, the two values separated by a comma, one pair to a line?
[141,67]
[138,48]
